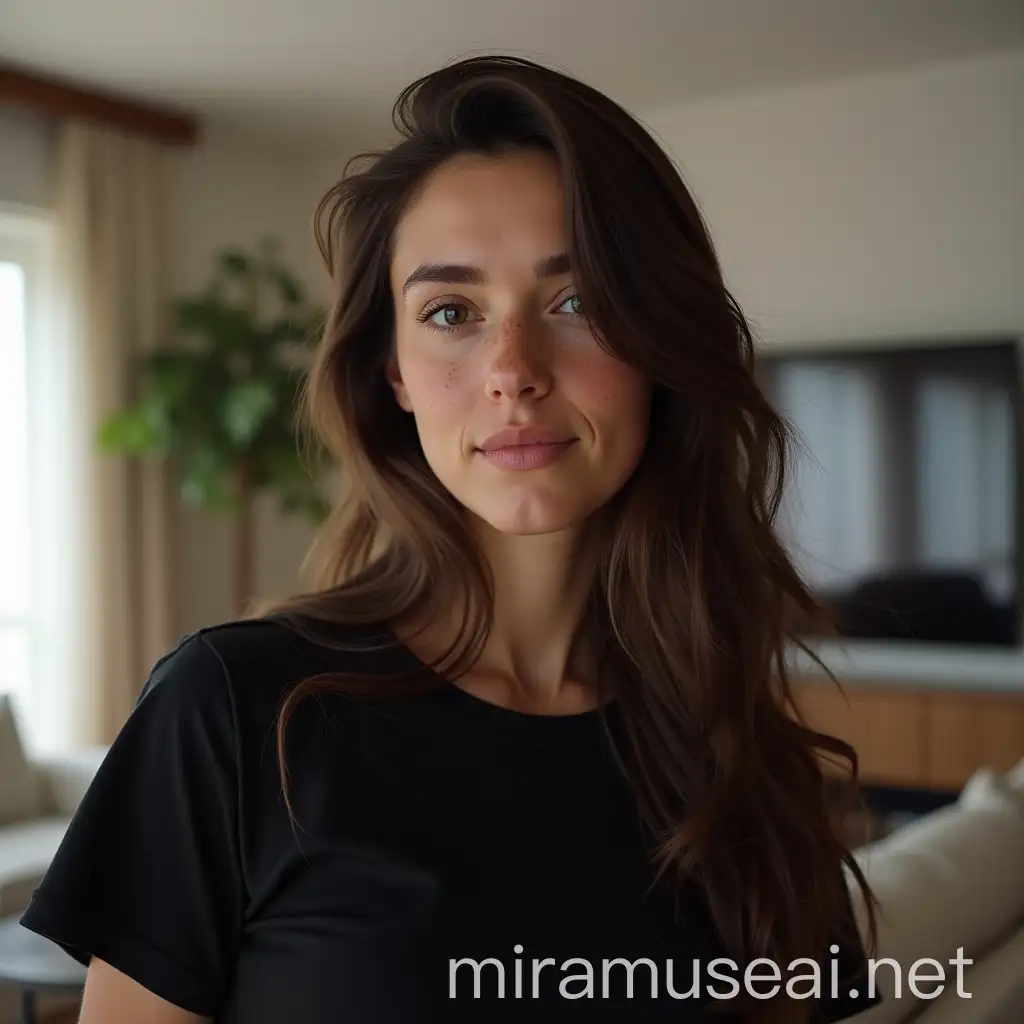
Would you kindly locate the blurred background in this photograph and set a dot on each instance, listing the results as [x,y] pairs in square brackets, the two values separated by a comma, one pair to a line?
[861,168]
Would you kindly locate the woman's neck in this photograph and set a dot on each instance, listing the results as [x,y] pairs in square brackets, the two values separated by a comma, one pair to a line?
[540,589]
[531,661]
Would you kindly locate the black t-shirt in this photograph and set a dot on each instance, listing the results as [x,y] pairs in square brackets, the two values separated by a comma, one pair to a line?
[428,829]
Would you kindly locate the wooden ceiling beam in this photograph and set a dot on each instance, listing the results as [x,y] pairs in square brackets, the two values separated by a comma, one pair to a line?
[60,99]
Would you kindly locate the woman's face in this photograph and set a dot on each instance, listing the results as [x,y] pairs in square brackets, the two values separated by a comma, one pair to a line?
[522,416]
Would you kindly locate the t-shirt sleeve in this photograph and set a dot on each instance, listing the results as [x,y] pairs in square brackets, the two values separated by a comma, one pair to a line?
[148,875]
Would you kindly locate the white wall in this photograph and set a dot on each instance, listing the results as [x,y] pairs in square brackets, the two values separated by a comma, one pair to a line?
[26,157]
[875,206]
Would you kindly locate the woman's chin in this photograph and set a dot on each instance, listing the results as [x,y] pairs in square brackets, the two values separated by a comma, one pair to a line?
[531,519]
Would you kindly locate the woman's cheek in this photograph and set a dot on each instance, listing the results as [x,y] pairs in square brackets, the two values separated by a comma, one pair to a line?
[602,387]
[437,389]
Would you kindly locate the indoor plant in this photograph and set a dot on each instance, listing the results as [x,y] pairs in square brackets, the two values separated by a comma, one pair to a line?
[220,399]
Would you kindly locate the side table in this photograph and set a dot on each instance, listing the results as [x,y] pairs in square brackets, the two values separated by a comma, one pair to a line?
[36,966]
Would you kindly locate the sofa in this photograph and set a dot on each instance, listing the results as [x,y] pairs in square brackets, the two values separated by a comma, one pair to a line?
[948,881]
[38,797]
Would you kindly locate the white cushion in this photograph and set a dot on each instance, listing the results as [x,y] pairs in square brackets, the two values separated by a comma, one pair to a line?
[25,853]
[952,879]
[20,794]
[995,985]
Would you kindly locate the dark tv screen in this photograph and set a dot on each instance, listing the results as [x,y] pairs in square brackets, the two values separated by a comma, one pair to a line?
[902,506]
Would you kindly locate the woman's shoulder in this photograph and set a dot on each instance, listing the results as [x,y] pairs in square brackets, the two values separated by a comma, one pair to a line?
[244,666]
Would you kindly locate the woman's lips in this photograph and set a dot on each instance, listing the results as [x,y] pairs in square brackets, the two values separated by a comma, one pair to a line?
[527,456]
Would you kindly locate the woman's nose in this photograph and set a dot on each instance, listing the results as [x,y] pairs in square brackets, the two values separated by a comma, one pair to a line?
[519,368]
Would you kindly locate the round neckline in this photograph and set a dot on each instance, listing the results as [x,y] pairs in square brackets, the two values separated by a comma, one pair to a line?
[472,700]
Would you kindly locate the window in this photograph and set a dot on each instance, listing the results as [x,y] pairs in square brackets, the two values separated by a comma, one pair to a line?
[14,509]
[832,503]
[24,237]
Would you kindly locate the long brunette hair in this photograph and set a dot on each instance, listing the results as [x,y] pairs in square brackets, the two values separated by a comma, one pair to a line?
[694,597]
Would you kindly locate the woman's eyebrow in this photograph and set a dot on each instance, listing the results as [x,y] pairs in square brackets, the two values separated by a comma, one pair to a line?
[457,273]
[553,266]
[444,273]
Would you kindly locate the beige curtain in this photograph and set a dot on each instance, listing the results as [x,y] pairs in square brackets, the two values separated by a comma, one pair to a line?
[110,275]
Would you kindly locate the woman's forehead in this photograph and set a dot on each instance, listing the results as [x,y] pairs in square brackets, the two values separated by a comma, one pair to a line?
[481,211]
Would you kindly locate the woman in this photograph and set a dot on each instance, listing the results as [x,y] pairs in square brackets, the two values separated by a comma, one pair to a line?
[525,755]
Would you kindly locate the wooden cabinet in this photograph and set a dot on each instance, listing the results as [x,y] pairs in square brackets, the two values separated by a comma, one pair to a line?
[926,739]
[966,732]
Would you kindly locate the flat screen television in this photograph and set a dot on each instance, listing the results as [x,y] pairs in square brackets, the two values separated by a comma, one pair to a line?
[903,507]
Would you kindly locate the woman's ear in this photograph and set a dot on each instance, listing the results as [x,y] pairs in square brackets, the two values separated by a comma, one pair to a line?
[394,377]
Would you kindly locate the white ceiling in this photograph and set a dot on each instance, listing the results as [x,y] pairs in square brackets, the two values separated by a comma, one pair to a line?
[322,74]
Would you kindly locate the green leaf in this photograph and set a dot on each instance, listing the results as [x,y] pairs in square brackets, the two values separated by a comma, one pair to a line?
[223,326]
[246,407]
[199,315]
[291,291]
[129,432]
[172,376]
[206,482]
[235,262]
[225,387]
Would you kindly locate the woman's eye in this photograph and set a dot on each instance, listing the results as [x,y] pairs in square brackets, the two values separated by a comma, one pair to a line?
[575,306]
[449,316]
